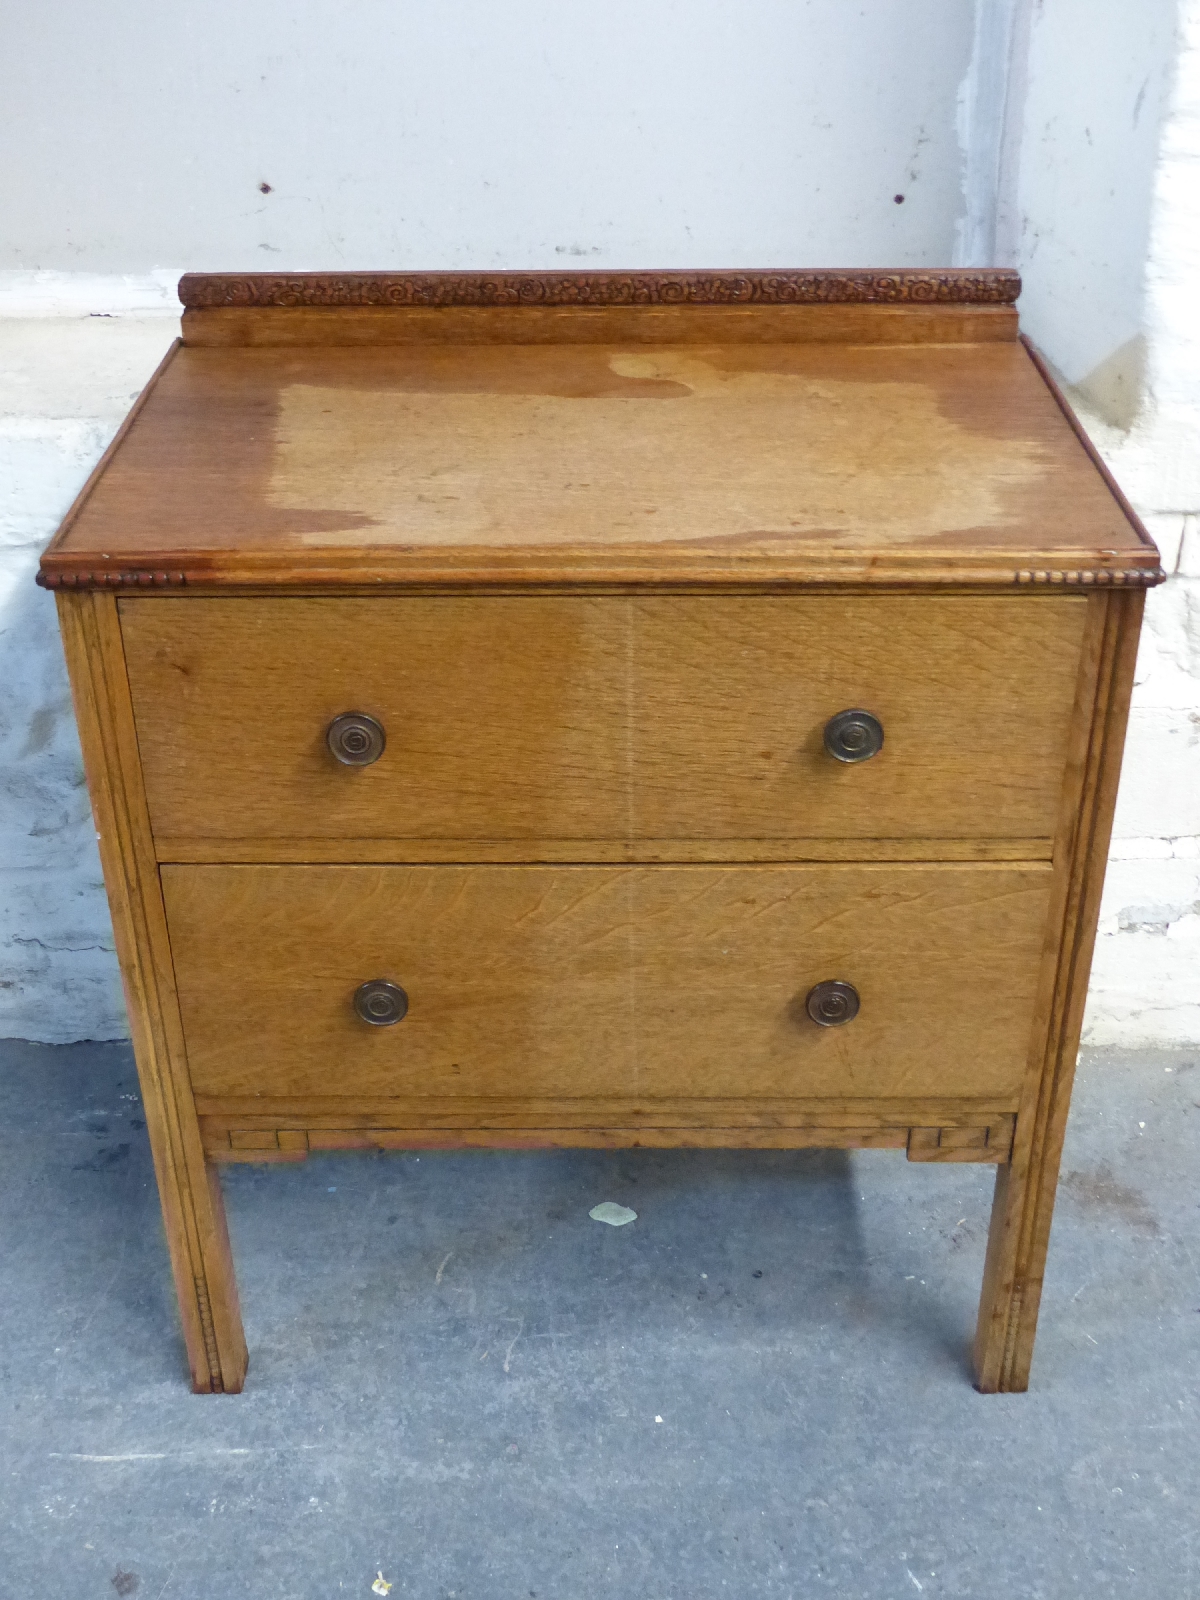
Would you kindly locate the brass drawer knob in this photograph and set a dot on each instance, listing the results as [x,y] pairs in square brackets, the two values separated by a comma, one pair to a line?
[380,1003]
[356,739]
[853,736]
[830,1004]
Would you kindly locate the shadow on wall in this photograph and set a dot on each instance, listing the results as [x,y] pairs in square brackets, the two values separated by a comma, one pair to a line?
[1116,388]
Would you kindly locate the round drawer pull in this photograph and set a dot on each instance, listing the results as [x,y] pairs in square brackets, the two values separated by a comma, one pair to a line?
[356,739]
[380,1003]
[830,1004]
[853,736]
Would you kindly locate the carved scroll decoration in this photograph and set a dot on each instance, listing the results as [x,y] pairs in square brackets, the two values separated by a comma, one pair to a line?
[908,286]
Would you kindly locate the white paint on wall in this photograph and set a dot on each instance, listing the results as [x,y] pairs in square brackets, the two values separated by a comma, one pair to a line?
[1146,975]
[1098,75]
[1144,988]
[65,384]
[58,977]
[468,134]
[1100,213]
[983,115]
[323,136]
[1171,433]
[47,293]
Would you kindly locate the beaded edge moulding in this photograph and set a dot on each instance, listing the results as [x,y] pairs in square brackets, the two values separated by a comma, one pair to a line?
[1085,578]
[203,291]
[208,291]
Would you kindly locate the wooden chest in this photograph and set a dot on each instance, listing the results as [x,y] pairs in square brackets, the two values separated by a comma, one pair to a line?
[603,709]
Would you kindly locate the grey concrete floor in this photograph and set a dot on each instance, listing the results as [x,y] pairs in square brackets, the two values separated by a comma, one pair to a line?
[460,1381]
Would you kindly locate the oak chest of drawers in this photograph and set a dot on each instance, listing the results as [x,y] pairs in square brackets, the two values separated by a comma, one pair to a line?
[602,709]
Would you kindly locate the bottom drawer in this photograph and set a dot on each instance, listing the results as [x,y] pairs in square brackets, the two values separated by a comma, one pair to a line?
[593,982]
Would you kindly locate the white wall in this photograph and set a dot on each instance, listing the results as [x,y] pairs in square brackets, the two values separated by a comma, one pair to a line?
[1062,135]
[1097,76]
[65,384]
[477,134]
[1103,220]
[392,135]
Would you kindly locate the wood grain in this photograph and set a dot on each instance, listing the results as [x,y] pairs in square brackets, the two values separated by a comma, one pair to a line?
[456,1113]
[742,463]
[50,578]
[288,1145]
[682,720]
[193,1212]
[263,327]
[960,1131]
[570,981]
[603,551]
[1025,1189]
[991,1142]
[592,852]
[1093,454]
[260,1149]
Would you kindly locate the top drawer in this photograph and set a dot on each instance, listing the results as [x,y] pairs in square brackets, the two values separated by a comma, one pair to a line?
[602,718]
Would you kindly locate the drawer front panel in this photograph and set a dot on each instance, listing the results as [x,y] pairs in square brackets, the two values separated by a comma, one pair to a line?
[604,717]
[585,982]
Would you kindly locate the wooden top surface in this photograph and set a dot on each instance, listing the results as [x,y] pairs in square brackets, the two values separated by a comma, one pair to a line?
[321,465]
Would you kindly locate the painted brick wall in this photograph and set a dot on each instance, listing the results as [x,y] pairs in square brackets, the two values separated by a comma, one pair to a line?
[1060,135]
[67,382]
[1112,152]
